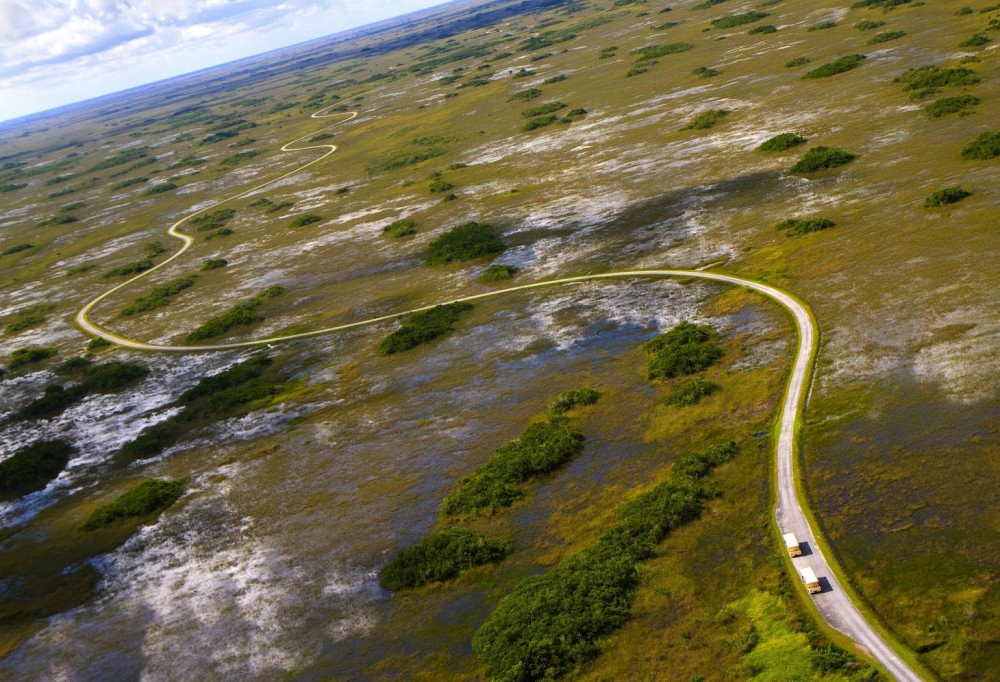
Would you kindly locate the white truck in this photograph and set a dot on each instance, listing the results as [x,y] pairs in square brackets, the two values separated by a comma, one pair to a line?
[810,580]
[792,545]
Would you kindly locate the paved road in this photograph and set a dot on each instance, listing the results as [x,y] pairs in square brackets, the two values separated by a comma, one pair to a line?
[833,603]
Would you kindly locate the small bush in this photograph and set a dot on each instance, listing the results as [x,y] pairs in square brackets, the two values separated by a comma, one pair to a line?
[438,186]
[29,356]
[885,5]
[305,219]
[54,401]
[651,52]
[886,37]
[525,95]
[841,65]
[798,61]
[685,349]
[820,158]
[130,269]
[214,264]
[161,188]
[985,146]
[215,234]
[804,225]
[400,228]
[765,28]
[142,179]
[498,273]
[144,499]
[464,242]
[948,195]
[160,296]
[423,327]
[32,467]
[213,220]
[540,122]
[782,142]
[31,316]
[822,26]
[17,248]
[239,315]
[829,658]
[923,81]
[976,40]
[543,109]
[442,556]
[119,159]
[691,392]
[576,397]
[705,72]
[951,105]
[868,25]
[97,344]
[738,19]
[706,119]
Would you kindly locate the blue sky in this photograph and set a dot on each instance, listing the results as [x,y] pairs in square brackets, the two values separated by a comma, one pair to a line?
[55,52]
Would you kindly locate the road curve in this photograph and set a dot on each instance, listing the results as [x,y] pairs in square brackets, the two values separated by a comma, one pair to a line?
[833,603]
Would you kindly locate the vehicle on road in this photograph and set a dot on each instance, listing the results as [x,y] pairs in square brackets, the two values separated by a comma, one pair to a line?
[792,545]
[810,580]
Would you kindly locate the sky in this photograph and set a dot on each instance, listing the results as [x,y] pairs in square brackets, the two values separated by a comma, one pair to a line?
[56,52]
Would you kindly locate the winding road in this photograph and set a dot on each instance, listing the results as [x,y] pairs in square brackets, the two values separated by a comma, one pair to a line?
[833,602]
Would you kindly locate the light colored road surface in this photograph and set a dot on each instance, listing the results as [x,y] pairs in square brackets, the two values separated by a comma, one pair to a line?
[833,603]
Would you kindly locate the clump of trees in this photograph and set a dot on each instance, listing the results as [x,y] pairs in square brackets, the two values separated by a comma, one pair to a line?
[575,397]
[798,61]
[782,142]
[442,556]
[29,356]
[706,119]
[734,20]
[147,498]
[886,36]
[851,61]
[984,147]
[821,158]
[214,264]
[305,219]
[960,104]
[498,273]
[241,314]
[685,349]
[691,392]
[32,316]
[423,327]
[161,188]
[945,196]
[464,242]
[542,109]
[160,296]
[104,378]
[213,220]
[525,95]
[32,467]
[975,40]
[804,225]
[17,248]
[822,26]
[764,28]
[923,81]
[400,228]
[129,269]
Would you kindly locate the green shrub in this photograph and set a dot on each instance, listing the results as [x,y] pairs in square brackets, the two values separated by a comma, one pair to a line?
[131,181]
[685,349]
[542,447]
[11,187]
[97,344]
[945,196]
[144,499]
[976,40]
[576,397]
[868,25]
[305,219]
[31,316]
[498,273]
[651,52]
[321,137]
[804,225]
[691,392]
[130,269]
[464,242]
[851,61]
[32,467]
[54,401]
[239,315]
[17,248]
[705,72]
[161,188]
[160,296]
[738,19]
[540,122]
[636,71]
[525,95]
[664,26]
[403,159]
[442,556]
[29,356]
[105,378]
[112,376]
[119,159]
[820,158]
[608,52]
[438,185]
[707,4]
[400,228]
[218,137]
[706,119]
[886,37]
[885,5]
[238,158]
[213,220]
[214,264]
[985,146]
[923,81]
[782,142]
[822,26]
[543,109]
[558,78]
[951,105]
[829,658]
[215,234]
[798,61]
[964,11]
[423,327]
[765,28]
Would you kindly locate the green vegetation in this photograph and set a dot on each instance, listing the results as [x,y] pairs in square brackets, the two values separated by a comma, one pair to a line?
[551,623]
[321,137]
[498,273]
[11,187]
[984,147]
[691,392]
[608,52]
[160,296]
[464,242]
[885,5]
[822,26]
[798,61]
[540,122]
[558,78]
[923,81]
[32,316]
[242,314]
[131,181]
[575,397]
[782,142]
[305,219]
[523,73]
[29,356]
[976,40]
[705,72]
[664,26]
[403,159]
[804,225]
[820,158]
[213,220]
[525,95]
[161,188]
[214,264]
[214,234]
[423,327]
[97,344]
[129,269]
[886,36]
[734,20]
[32,467]
[400,228]
[706,119]
[438,185]
[651,52]
[154,249]
[238,158]
[868,25]
[708,4]
[218,137]
[148,497]
[851,61]
[442,556]
[17,248]
[762,29]
[105,378]
[945,196]
[54,401]
[959,104]
[542,447]
[685,349]
[543,109]
[119,159]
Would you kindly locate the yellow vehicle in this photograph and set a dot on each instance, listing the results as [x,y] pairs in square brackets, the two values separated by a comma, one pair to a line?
[810,579]
[792,545]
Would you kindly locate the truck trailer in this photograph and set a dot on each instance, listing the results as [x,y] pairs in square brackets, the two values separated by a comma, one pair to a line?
[792,545]
[810,580]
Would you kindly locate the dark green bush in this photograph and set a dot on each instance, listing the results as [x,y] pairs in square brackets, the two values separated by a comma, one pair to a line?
[119,159]
[923,81]
[985,146]
[403,159]
[948,195]
[464,242]
[238,158]
[543,109]
[976,40]
[705,72]
[738,19]
[822,26]
[54,401]
[542,447]
[498,273]
[97,344]
[442,556]
[438,185]
[129,269]
[651,52]
[886,37]
[31,316]
[851,61]
[305,219]
[540,122]
[798,61]
[829,658]
[144,499]
[241,314]
[213,220]
[576,397]
[959,104]
[820,158]
[691,392]
[400,228]
[32,467]
[782,142]
[218,137]
[558,78]
[214,264]
[112,376]
[17,248]
[706,119]
[131,181]
[685,349]
[215,234]
[28,356]
[160,296]
[868,25]
[804,225]
[766,28]
[423,327]
[525,95]
[161,188]
[885,5]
